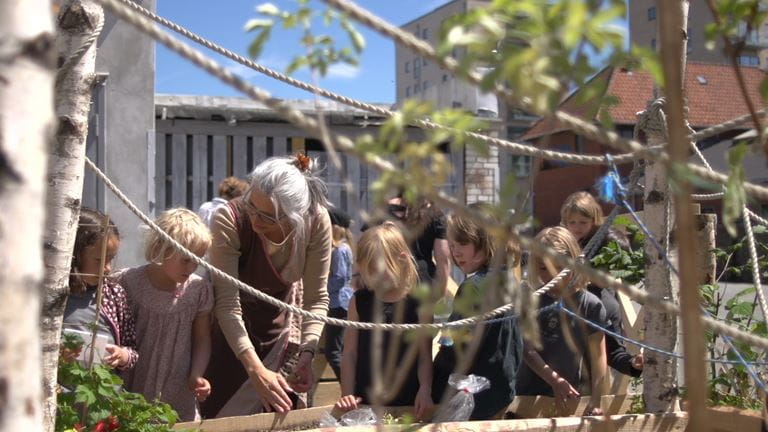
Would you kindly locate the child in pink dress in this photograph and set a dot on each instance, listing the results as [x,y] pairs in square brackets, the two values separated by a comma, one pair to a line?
[172,307]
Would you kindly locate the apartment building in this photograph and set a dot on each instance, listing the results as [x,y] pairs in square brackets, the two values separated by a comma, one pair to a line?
[643,30]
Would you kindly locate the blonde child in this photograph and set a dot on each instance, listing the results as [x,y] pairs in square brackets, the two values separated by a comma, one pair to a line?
[172,307]
[388,274]
[499,351]
[115,321]
[583,216]
[339,286]
[555,369]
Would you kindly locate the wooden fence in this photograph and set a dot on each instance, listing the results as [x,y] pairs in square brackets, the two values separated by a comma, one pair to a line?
[193,156]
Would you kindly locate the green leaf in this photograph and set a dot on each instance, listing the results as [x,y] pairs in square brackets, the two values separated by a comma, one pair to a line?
[764,89]
[254,49]
[735,197]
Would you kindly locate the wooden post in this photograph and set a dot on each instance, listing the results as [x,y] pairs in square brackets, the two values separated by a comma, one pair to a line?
[672,22]
[27,64]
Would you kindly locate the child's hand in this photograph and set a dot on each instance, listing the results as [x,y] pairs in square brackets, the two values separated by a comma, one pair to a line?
[116,356]
[348,403]
[69,355]
[593,410]
[423,405]
[563,391]
[200,387]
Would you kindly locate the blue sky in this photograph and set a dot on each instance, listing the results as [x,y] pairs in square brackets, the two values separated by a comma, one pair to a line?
[222,22]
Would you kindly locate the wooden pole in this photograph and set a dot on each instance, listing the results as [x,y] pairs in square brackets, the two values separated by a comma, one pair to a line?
[672,23]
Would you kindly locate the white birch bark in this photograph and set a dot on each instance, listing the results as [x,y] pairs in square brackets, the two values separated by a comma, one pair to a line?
[77,25]
[660,389]
[26,122]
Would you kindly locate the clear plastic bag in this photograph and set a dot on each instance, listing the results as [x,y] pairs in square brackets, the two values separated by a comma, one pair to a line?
[358,417]
[460,407]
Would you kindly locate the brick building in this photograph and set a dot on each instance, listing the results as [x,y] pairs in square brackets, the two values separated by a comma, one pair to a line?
[713,97]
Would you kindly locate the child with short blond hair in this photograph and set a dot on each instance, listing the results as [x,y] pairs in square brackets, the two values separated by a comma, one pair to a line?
[388,273]
[172,306]
[582,216]
[555,369]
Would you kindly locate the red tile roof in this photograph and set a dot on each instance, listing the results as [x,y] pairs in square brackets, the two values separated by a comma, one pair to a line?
[712,91]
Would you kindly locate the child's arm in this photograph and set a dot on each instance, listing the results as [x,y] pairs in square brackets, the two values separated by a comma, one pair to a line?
[423,403]
[201,353]
[348,400]
[599,364]
[562,389]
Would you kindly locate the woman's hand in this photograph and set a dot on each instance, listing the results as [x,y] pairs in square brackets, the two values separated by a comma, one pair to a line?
[272,388]
[117,356]
[348,403]
[200,387]
[638,362]
[303,378]
[423,405]
[563,391]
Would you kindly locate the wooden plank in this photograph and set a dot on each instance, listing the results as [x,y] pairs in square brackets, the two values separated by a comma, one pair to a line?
[544,406]
[160,172]
[280,146]
[179,170]
[239,156]
[219,160]
[200,175]
[259,150]
[723,419]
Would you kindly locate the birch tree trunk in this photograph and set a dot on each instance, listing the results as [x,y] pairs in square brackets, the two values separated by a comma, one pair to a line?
[26,121]
[79,24]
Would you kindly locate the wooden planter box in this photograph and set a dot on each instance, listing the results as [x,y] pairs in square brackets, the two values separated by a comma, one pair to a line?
[534,414]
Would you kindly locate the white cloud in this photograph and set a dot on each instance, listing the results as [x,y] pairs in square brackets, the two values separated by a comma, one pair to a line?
[343,71]
[245,72]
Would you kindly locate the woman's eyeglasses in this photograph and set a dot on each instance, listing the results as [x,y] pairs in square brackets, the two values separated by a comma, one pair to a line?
[258,214]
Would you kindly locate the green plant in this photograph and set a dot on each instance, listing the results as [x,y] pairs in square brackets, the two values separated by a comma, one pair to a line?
[627,265]
[98,393]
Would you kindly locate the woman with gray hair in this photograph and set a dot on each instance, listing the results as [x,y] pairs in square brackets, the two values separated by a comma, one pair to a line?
[277,239]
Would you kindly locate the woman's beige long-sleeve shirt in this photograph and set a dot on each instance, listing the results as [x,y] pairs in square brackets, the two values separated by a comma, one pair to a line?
[309,261]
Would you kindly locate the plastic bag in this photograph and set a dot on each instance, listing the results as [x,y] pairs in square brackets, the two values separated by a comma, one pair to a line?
[461,405]
[358,417]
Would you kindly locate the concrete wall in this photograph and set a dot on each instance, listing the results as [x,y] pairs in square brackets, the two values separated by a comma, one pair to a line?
[125,139]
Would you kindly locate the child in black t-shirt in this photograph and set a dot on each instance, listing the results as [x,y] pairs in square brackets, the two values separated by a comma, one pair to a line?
[567,344]
[499,350]
[388,274]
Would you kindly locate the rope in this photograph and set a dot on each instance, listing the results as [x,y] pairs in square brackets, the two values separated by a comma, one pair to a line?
[346,144]
[726,126]
[512,147]
[644,345]
[66,67]
[582,127]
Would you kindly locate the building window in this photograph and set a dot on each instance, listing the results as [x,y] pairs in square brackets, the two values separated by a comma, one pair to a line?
[445,77]
[416,64]
[416,88]
[424,34]
[651,13]
[749,60]
[424,61]
[425,85]
[456,104]
[653,45]
[520,165]
[407,67]
[407,91]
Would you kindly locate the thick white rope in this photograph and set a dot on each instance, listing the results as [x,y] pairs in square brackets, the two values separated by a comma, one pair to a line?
[512,147]
[440,198]
[581,127]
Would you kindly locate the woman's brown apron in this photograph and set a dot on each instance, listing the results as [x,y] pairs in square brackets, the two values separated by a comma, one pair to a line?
[268,328]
